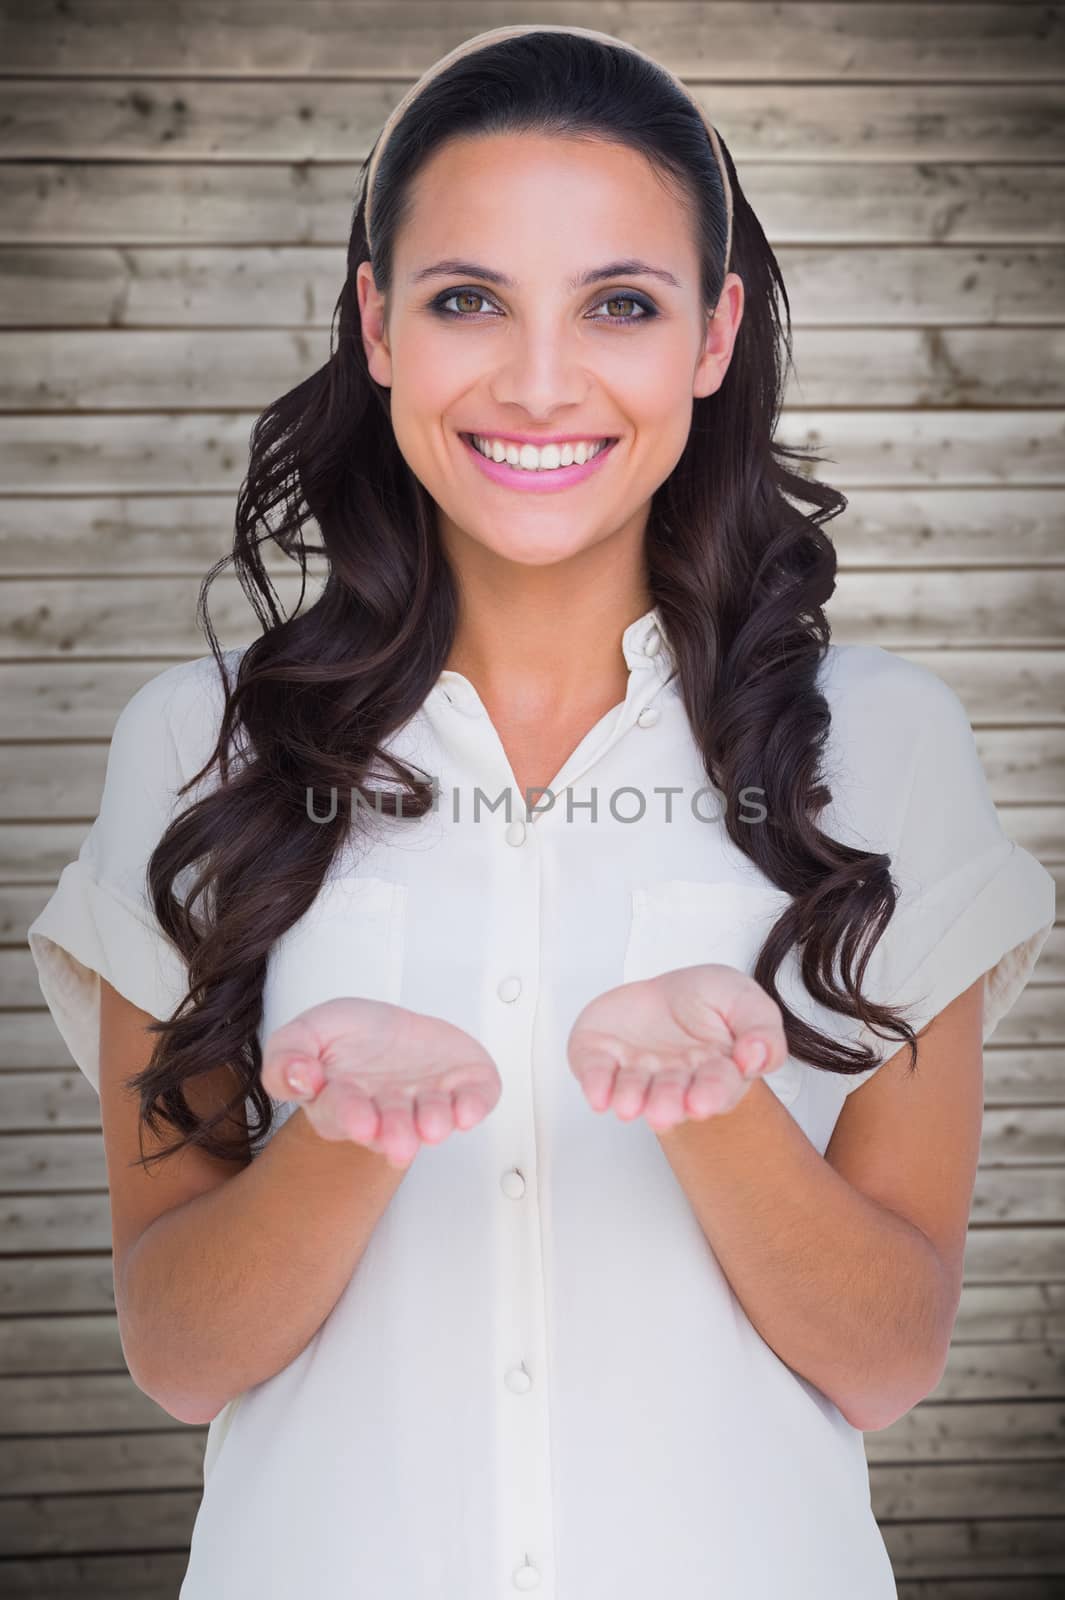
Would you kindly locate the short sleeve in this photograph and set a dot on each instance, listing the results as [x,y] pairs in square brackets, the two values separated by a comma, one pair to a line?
[971,901]
[99,920]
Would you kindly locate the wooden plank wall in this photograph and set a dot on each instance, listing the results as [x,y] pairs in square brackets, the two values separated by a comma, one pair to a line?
[176,186]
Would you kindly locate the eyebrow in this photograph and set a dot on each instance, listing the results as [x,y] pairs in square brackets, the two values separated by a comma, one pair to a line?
[627,268]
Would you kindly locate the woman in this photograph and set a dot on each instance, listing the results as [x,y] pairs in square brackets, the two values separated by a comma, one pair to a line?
[672,928]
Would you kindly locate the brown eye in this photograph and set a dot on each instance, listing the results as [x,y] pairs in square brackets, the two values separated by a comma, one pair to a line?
[469,297]
[643,307]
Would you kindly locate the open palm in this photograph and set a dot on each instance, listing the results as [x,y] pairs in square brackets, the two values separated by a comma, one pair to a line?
[380,1075]
[681,1045]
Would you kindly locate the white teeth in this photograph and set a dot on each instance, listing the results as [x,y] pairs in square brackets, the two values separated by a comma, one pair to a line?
[528,458]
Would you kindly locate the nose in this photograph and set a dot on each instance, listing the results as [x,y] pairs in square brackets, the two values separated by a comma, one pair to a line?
[540,372]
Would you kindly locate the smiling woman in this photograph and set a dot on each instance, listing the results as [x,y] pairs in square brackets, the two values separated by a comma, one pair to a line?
[580,1344]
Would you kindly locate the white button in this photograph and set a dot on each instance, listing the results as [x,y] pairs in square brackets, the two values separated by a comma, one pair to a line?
[512,1184]
[509,989]
[516,833]
[526,1576]
[518,1381]
[654,639]
[648,716]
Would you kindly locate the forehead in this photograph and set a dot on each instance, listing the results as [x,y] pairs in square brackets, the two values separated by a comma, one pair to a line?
[554,194]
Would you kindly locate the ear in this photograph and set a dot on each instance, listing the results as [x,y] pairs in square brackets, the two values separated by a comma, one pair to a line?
[722,326]
[374,331]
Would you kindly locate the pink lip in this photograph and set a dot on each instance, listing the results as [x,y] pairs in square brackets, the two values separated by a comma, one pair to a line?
[536,482]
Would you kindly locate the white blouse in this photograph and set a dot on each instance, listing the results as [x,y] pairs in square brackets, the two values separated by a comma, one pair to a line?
[538,1376]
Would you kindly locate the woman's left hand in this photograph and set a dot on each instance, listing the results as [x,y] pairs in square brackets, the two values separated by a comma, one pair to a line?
[686,1044]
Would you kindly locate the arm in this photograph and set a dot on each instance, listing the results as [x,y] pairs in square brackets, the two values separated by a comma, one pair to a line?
[850,1264]
[224,1269]
[224,1290]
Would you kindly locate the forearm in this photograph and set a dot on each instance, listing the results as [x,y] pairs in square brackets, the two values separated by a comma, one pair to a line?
[225,1290]
[847,1293]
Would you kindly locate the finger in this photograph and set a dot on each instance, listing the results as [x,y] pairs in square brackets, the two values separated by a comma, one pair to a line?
[293,1046]
[342,1111]
[434,1115]
[708,1092]
[398,1136]
[759,1052]
[471,1105]
[595,1071]
[757,1027]
[665,1099]
[631,1084]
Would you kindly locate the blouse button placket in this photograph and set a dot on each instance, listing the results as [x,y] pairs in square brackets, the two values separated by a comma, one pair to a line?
[525,1551]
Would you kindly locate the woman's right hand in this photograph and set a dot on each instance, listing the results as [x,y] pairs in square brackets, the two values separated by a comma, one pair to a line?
[380,1075]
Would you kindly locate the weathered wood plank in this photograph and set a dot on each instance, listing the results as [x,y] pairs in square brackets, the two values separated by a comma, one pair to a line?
[1013,1077]
[80,1523]
[695,38]
[65,1288]
[140,1575]
[39,1103]
[81,699]
[189,532]
[52,1525]
[139,370]
[67,1344]
[35,1224]
[1011,1548]
[83,1402]
[999,1431]
[61,1286]
[169,1459]
[797,202]
[978,1489]
[894,528]
[173,1458]
[193,118]
[292,286]
[167,452]
[157,1576]
[57,1163]
[901,610]
[1047,1587]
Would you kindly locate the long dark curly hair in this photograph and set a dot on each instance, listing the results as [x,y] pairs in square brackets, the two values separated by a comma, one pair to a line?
[739,571]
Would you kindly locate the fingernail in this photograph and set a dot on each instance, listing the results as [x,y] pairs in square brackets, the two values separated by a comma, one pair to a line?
[299,1076]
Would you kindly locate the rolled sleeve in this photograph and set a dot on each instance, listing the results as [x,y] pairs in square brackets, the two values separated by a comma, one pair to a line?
[99,921]
[971,901]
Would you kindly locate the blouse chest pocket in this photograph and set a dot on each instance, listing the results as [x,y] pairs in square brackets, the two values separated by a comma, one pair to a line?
[681,922]
[349,943]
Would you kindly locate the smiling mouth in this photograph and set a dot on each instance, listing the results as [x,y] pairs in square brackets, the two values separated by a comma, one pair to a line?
[527,458]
